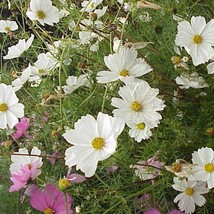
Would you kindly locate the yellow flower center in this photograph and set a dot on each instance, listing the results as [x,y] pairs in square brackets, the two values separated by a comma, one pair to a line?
[136,106]
[98,143]
[93,5]
[209,167]
[176,60]
[3,107]
[8,143]
[189,191]
[41,71]
[197,39]
[141,126]
[48,211]
[29,166]
[63,184]
[124,73]
[7,29]
[177,167]
[41,14]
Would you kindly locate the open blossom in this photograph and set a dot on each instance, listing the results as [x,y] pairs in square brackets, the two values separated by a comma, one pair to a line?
[42,66]
[7,26]
[20,81]
[89,6]
[203,168]
[21,179]
[43,11]
[190,81]
[93,140]
[22,128]
[123,64]
[19,160]
[139,101]
[139,130]
[152,211]
[197,38]
[24,167]
[51,200]
[18,49]
[191,194]
[74,83]
[10,109]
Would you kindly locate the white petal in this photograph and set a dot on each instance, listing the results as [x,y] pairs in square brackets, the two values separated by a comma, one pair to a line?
[199,200]
[12,120]
[198,23]
[206,155]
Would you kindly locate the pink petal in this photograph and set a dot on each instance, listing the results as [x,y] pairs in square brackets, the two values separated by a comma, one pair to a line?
[76,178]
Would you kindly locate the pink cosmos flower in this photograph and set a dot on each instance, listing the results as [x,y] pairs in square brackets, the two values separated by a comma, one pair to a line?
[174,211]
[24,167]
[152,211]
[22,128]
[22,178]
[51,200]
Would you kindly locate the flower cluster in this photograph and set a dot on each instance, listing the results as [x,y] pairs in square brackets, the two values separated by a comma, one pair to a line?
[194,179]
[77,92]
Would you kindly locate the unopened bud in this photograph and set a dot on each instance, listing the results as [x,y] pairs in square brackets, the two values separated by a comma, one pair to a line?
[64,183]
[210,132]
[176,59]
[54,133]
[93,17]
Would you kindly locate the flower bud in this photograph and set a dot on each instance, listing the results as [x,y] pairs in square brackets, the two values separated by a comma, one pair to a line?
[210,132]
[64,183]
[93,17]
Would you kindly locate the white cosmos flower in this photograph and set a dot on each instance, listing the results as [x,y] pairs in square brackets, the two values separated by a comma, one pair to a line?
[43,11]
[18,160]
[10,109]
[74,83]
[89,6]
[191,194]
[100,12]
[203,168]
[42,66]
[186,81]
[17,50]
[20,81]
[93,140]
[139,101]
[139,130]
[7,26]
[123,64]
[197,38]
